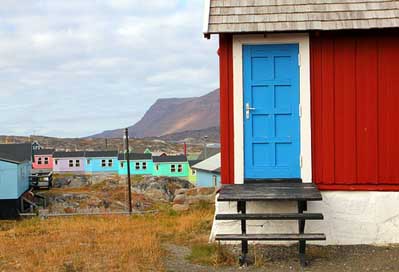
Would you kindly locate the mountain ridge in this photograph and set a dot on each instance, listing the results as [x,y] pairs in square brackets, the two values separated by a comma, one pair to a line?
[168,116]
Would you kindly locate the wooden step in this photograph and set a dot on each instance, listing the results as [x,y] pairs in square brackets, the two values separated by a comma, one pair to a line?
[271,237]
[271,216]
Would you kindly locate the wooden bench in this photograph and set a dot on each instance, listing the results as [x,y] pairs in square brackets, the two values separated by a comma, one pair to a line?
[275,191]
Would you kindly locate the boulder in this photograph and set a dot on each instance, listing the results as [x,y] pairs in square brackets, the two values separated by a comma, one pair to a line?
[180,207]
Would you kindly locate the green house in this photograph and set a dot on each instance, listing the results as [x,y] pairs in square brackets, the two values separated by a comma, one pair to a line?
[140,164]
[171,166]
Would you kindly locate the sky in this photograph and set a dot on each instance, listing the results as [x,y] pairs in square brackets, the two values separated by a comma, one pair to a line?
[72,68]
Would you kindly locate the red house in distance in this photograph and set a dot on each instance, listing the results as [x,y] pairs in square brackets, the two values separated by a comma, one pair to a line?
[43,159]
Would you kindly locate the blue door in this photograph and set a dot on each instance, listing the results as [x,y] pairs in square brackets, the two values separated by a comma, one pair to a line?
[271,111]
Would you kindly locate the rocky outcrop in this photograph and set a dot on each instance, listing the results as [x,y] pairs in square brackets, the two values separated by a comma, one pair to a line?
[184,198]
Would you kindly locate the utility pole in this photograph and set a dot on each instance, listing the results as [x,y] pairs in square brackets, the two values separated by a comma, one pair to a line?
[129,183]
[106,144]
[205,147]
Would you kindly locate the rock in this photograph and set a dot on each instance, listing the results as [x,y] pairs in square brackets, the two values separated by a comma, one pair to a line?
[205,190]
[199,198]
[180,207]
[156,194]
[179,199]
[181,191]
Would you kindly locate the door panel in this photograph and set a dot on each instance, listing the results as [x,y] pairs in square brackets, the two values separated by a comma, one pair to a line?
[271,111]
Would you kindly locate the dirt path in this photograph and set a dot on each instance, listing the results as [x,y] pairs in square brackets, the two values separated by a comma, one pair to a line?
[281,258]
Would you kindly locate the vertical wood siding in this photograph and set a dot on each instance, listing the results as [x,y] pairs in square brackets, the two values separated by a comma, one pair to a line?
[355,109]
[226,108]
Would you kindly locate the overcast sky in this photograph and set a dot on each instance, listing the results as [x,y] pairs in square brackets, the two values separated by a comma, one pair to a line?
[71,68]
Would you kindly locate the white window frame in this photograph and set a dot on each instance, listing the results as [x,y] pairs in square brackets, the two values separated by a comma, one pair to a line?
[173,168]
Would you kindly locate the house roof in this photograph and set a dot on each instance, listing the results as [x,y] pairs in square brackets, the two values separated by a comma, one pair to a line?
[176,158]
[101,154]
[135,156]
[43,152]
[211,164]
[16,153]
[193,162]
[238,16]
[68,154]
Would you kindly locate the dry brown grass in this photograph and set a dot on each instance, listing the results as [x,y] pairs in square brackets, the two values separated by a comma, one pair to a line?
[109,243]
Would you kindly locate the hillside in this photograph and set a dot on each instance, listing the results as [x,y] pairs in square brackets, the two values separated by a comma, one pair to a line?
[174,115]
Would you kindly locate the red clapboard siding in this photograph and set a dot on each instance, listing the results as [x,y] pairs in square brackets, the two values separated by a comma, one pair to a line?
[226,108]
[355,110]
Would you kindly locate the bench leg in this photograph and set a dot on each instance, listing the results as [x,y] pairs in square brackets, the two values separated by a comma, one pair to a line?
[241,208]
[302,206]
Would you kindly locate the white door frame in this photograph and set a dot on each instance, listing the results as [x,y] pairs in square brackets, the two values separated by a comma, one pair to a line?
[302,39]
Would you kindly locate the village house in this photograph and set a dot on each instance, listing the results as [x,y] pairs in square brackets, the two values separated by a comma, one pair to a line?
[42,159]
[171,166]
[101,162]
[208,172]
[309,96]
[192,173]
[69,161]
[15,167]
[140,164]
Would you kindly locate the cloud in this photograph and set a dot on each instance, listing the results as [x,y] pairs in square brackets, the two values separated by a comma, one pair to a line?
[99,64]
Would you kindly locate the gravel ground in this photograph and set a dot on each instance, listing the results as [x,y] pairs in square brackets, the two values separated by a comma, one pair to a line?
[283,258]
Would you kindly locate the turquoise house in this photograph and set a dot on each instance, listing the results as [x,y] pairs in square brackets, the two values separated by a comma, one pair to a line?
[171,166]
[15,168]
[140,164]
[101,162]
[208,172]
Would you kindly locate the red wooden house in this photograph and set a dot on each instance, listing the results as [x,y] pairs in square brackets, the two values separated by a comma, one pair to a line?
[309,92]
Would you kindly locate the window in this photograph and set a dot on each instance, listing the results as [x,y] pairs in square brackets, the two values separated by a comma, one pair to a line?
[103,163]
[70,163]
[46,160]
[179,168]
[137,165]
[193,172]
[110,163]
[121,163]
[77,163]
[172,168]
[88,162]
[214,180]
[56,162]
[39,160]
[157,167]
[144,165]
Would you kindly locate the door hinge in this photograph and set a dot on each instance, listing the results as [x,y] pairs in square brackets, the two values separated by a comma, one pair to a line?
[300,161]
[299,59]
[300,110]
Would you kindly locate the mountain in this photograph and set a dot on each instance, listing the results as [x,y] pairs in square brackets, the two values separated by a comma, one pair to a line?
[174,115]
[193,136]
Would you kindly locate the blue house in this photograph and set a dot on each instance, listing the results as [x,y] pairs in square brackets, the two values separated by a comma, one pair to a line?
[140,164]
[101,162]
[15,167]
[208,172]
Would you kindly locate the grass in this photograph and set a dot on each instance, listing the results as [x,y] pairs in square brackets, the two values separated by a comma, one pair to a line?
[108,243]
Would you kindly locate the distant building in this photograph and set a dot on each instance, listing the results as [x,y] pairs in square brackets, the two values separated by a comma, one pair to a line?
[69,162]
[15,167]
[209,152]
[192,174]
[208,172]
[101,162]
[171,166]
[140,164]
[43,159]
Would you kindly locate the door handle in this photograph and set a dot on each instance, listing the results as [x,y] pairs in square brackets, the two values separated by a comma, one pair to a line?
[247,110]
